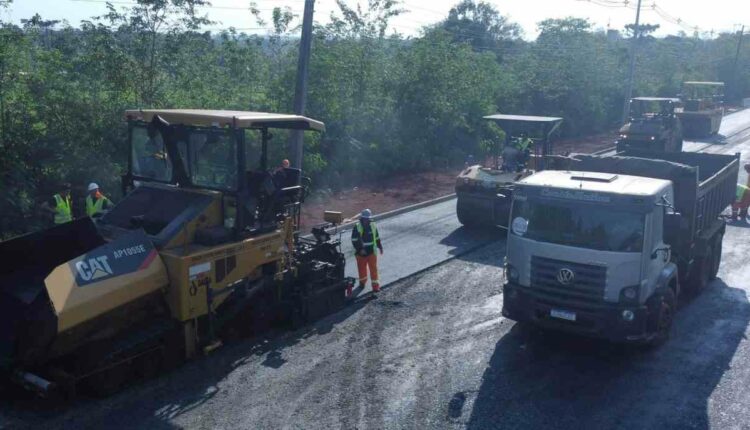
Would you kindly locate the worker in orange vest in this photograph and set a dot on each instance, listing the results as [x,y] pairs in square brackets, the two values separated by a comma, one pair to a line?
[365,239]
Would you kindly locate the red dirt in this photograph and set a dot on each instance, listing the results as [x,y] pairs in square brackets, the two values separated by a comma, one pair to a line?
[383,196]
[411,188]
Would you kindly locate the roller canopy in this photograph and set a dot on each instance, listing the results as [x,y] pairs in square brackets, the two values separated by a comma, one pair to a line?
[224,118]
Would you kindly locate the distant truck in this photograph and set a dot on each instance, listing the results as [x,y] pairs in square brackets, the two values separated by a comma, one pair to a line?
[604,246]
[703,108]
[653,125]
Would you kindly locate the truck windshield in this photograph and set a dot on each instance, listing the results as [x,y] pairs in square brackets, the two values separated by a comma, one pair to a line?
[578,224]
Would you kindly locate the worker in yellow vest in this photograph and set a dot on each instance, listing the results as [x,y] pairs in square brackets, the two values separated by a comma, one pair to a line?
[365,239]
[96,202]
[60,206]
[742,199]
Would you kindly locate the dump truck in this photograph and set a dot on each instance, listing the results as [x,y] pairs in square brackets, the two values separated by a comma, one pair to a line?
[483,194]
[204,245]
[653,125]
[605,246]
[703,108]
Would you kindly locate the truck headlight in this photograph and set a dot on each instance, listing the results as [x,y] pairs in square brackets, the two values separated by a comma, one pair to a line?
[629,294]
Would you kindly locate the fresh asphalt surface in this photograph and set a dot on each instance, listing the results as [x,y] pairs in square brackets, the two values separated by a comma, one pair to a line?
[433,351]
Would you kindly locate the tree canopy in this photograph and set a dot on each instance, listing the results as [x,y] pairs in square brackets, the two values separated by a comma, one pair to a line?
[391,103]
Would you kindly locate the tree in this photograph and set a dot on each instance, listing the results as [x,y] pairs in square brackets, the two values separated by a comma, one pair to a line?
[481,25]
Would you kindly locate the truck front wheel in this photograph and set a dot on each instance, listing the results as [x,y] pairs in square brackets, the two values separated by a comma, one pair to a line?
[660,321]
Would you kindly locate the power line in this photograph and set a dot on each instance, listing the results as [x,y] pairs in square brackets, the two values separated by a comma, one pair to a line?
[130,3]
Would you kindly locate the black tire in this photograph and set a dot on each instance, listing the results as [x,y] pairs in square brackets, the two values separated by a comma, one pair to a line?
[700,279]
[465,217]
[716,261]
[662,318]
[462,216]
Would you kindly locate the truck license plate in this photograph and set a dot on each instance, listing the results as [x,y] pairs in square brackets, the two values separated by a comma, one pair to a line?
[563,315]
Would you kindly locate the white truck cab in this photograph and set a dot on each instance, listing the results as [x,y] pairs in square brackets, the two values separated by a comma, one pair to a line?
[600,251]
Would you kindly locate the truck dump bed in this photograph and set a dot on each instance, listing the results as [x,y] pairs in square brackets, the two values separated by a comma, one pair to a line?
[704,184]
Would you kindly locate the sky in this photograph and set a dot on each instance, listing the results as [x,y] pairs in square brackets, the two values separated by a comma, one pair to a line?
[708,16]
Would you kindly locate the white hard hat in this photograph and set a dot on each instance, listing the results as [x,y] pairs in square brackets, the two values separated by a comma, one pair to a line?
[93,186]
[366,214]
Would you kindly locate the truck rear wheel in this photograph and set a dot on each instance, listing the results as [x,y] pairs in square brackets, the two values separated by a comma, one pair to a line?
[699,280]
[716,261]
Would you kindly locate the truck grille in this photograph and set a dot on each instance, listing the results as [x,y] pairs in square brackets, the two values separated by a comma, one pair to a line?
[587,285]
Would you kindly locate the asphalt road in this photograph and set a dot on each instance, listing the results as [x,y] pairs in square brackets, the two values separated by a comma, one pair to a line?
[433,351]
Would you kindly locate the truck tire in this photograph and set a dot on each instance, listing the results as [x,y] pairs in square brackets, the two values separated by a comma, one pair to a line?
[699,280]
[716,261]
[660,322]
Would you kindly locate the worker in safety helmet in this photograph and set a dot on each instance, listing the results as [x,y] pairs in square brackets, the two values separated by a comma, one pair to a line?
[96,202]
[60,205]
[742,200]
[516,154]
[365,239]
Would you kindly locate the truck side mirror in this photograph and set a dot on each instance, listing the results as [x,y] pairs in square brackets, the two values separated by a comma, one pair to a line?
[672,227]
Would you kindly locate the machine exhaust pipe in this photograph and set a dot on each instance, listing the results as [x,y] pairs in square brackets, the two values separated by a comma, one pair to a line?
[33,382]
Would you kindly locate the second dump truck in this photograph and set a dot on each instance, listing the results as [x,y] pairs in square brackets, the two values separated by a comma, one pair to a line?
[605,246]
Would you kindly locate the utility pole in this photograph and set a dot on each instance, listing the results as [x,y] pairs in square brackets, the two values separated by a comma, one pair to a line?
[736,71]
[631,71]
[300,90]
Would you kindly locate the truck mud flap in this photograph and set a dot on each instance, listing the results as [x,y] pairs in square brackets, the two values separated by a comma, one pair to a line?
[27,320]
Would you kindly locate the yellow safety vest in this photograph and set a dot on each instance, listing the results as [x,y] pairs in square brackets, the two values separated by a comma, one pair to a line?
[373,230]
[94,207]
[741,190]
[63,210]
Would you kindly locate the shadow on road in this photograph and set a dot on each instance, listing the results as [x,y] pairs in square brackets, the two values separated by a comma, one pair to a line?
[716,139]
[464,240]
[154,403]
[550,380]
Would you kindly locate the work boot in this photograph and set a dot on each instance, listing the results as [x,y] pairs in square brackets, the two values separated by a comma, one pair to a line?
[349,290]
[375,288]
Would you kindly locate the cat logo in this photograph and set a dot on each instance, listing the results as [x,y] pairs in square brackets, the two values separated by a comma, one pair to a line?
[94,268]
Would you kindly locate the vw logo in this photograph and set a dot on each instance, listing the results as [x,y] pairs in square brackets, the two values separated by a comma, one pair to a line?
[565,276]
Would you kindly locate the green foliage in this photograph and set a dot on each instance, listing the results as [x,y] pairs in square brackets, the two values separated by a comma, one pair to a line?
[390,103]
